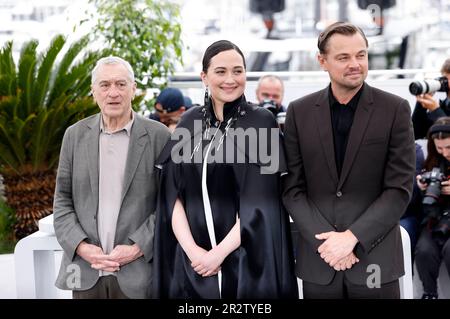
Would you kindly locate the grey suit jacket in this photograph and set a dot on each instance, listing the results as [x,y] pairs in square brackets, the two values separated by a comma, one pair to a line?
[76,203]
[369,197]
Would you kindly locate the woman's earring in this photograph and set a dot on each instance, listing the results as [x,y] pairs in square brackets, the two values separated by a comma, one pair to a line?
[206,96]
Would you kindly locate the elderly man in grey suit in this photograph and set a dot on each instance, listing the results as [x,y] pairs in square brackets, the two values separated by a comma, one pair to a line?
[350,154]
[105,197]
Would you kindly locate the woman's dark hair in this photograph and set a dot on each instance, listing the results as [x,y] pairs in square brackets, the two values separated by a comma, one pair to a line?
[433,155]
[216,48]
[343,28]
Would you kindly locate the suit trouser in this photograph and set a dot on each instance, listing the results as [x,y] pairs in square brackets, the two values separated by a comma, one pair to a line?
[106,287]
[341,288]
[429,256]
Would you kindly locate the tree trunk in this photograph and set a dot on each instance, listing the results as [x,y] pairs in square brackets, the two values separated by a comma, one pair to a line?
[31,196]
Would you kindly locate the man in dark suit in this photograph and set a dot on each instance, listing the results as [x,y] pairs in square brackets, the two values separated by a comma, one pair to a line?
[350,154]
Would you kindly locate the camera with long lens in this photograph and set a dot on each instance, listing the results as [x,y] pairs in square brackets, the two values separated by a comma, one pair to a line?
[434,178]
[270,105]
[429,86]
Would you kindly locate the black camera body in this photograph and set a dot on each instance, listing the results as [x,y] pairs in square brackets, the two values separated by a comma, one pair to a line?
[429,86]
[280,116]
[270,105]
[441,229]
[434,178]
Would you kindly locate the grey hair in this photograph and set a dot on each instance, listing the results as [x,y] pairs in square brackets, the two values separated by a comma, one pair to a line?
[112,60]
[270,77]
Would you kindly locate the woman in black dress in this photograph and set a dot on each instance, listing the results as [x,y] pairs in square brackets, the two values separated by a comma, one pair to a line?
[221,230]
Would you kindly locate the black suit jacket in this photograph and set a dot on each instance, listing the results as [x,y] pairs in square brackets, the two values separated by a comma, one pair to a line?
[369,197]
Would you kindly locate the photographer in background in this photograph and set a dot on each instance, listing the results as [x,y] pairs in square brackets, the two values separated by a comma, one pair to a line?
[433,245]
[270,92]
[428,110]
[169,107]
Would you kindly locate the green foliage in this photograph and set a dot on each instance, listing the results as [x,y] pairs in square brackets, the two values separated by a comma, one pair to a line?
[39,99]
[7,220]
[146,33]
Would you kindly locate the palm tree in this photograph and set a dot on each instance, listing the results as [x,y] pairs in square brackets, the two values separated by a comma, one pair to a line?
[39,99]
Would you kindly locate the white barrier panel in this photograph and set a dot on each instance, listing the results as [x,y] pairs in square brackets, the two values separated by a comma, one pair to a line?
[37,259]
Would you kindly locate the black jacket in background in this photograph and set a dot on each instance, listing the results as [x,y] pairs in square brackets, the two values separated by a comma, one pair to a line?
[422,119]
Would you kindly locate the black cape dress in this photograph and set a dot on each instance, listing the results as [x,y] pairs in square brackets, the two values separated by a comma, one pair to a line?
[263,265]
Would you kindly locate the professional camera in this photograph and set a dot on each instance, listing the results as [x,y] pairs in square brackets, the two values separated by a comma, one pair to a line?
[433,191]
[441,230]
[429,86]
[281,118]
[270,105]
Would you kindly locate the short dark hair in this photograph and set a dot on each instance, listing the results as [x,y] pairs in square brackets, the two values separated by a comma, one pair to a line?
[216,48]
[446,67]
[343,28]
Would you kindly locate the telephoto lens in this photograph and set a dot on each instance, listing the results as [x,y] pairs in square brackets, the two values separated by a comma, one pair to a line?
[429,86]
[281,118]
